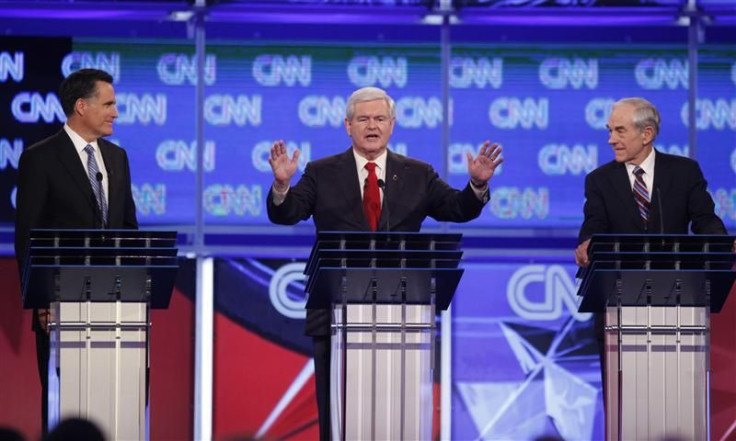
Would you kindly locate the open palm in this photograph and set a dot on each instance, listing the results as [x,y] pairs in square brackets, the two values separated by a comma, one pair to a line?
[482,167]
[282,166]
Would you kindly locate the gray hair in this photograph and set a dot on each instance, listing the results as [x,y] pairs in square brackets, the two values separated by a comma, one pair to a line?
[645,114]
[369,94]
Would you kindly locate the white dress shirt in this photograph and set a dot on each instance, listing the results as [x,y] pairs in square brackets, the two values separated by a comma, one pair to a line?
[279,196]
[380,162]
[80,144]
[648,166]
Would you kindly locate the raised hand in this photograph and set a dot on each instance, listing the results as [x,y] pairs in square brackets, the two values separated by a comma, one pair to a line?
[482,167]
[282,166]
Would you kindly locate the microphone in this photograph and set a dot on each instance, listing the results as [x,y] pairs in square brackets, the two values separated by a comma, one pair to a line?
[382,186]
[661,214]
[98,176]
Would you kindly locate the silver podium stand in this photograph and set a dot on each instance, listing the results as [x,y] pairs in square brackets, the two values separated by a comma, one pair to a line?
[383,290]
[657,293]
[99,285]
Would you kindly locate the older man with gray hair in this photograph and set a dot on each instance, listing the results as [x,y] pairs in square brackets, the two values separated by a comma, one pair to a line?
[356,189]
[619,195]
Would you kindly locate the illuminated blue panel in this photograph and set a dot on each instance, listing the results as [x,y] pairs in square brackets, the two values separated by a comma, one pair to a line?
[154,87]
[298,94]
[716,122]
[579,4]
[524,362]
[374,3]
[547,105]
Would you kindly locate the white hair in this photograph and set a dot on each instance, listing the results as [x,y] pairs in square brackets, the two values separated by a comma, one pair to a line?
[369,94]
[645,114]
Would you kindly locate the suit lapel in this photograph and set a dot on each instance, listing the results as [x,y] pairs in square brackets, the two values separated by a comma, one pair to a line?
[346,174]
[69,158]
[112,182]
[391,197]
[622,187]
[660,188]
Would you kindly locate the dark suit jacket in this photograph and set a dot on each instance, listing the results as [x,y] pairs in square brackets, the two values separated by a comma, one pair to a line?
[329,191]
[610,206]
[678,182]
[54,190]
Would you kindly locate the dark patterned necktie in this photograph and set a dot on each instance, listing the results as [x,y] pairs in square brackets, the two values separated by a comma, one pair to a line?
[641,194]
[372,197]
[92,171]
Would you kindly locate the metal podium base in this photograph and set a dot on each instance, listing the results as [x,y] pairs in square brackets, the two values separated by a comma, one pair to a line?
[381,387]
[657,372]
[99,351]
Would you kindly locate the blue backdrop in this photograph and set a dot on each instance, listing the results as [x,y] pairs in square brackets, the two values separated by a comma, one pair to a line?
[546,104]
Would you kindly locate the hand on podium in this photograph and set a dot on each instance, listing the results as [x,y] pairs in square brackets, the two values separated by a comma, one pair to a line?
[581,254]
[42,316]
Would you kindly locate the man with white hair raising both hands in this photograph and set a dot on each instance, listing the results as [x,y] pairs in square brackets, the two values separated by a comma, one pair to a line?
[342,193]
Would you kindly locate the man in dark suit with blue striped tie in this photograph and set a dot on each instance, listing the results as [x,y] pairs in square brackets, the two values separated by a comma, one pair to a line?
[74,179]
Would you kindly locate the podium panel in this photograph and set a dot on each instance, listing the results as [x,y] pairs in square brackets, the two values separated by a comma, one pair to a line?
[656,293]
[98,366]
[656,372]
[383,290]
[388,371]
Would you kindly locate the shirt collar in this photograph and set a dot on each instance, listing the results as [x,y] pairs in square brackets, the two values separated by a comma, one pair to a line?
[647,164]
[379,161]
[78,141]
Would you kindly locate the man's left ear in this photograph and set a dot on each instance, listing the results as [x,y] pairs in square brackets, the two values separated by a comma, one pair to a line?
[79,105]
[648,135]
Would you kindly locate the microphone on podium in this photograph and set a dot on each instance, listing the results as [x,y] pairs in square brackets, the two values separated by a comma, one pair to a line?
[382,186]
[661,215]
[98,211]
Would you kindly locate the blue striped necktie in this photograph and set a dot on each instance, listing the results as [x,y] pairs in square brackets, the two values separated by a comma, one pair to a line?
[641,194]
[97,189]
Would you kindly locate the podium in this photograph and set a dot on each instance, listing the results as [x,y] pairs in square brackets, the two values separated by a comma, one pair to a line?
[656,293]
[99,286]
[383,290]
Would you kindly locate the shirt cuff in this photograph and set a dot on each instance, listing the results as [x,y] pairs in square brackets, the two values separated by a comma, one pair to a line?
[480,192]
[279,196]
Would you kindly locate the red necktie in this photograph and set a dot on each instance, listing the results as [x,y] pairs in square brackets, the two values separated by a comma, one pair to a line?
[372,197]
